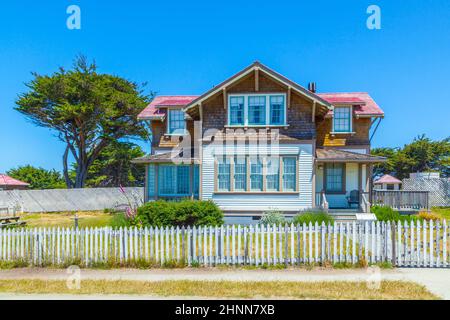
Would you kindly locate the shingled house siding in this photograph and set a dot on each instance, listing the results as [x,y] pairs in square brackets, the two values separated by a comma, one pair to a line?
[361,128]
[300,125]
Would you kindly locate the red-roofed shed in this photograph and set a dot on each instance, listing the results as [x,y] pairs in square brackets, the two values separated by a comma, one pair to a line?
[8,183]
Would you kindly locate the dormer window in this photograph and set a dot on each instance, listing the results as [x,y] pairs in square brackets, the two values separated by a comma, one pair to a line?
[257,110]
[237,111]
[342,119]
[176,122]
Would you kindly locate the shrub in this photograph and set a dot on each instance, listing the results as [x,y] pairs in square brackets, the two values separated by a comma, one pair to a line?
[313,217]
[272,217]
[428,216]
[384,213]
[182,213]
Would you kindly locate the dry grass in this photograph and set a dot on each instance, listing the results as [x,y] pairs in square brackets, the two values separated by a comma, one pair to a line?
[390,290]
[66,219]
[442,212]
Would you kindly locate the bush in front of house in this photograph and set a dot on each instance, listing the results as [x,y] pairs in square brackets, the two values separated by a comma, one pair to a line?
[179,213]
[272,217]
[313,217]
[384,213]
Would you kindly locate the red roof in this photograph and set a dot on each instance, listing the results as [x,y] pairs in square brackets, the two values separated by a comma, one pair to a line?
[153,111]
[367,107]
[387,179]
[362,102]
[8,181]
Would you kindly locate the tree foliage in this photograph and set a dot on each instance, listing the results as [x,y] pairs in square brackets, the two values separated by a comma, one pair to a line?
[38,178]
[422,155]
[86,109]
[113,167]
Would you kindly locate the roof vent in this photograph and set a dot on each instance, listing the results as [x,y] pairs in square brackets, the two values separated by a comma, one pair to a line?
[312,87]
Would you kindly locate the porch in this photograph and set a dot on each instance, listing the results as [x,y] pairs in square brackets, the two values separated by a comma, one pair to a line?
[170,178]
[343,180]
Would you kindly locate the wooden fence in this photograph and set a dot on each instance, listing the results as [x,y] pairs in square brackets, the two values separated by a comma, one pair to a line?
[401,200]
[415,244]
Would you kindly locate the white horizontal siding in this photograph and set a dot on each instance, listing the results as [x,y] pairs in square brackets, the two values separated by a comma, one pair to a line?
[254,202]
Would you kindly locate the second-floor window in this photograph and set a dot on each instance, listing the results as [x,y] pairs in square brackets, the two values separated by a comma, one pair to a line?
[257,110]
[342,119]
[176,122]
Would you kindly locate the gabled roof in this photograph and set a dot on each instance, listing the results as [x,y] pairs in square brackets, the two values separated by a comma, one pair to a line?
[364,105]
[388,179]
[336,155]
[156,109]
[251,68]
[8,181]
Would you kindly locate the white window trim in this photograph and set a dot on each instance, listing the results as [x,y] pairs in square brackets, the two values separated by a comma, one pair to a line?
[333,131]
[267,109]
[168,123]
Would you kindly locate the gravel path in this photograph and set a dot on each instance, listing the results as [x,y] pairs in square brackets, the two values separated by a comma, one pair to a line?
[436,280]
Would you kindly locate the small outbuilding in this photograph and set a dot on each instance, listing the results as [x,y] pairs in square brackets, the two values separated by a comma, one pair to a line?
[388,182]
[8,183]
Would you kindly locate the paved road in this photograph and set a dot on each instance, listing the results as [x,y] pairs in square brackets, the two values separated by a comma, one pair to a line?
[436,280]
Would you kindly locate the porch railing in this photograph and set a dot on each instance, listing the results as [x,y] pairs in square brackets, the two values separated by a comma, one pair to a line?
[365,204]
[321,201]
[401,199]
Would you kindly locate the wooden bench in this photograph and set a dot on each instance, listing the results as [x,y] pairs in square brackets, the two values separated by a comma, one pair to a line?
[10,221]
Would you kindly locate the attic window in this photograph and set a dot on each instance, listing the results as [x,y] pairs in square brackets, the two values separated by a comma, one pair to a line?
[342,119]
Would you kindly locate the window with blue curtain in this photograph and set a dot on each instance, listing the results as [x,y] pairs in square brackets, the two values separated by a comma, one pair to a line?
[273,174]
[183,180]
[177,123]
[342,119]
[289,173]
[256,110]
[223,177]
[256,174]
[240,174]
[173,180]
[277,110]
[334,177]
[236,110]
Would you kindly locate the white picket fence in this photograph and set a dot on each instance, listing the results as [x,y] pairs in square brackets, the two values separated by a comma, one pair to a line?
[416,245]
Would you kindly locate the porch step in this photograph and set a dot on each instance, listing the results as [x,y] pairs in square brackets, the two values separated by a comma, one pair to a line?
[343,215]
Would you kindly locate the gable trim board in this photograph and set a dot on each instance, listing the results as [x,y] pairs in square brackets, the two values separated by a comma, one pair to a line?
[260,67]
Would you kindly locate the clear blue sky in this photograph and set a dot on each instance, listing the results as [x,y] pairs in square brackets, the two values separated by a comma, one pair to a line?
[185,47]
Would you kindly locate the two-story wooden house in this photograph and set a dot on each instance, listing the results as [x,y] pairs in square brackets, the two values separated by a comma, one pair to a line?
[258,141]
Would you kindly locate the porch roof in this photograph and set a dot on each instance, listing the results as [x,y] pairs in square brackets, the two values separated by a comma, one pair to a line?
[166,157]
[336,155]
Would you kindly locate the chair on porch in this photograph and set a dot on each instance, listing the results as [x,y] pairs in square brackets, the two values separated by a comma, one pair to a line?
[353,198]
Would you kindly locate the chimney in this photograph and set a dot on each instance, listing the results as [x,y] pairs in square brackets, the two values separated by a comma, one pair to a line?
[312,87]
